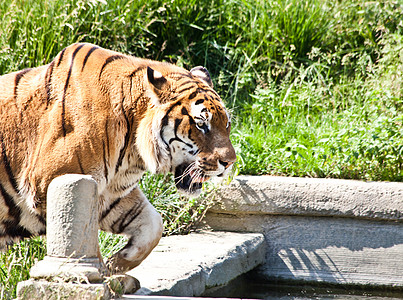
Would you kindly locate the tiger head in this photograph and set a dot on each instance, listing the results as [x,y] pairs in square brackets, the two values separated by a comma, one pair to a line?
[190,128]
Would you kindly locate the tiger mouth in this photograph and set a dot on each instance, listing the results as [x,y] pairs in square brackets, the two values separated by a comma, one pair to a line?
[189,179]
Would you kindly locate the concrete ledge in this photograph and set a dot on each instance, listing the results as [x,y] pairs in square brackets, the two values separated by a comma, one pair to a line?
[188,265]
[311,197]
[320,230]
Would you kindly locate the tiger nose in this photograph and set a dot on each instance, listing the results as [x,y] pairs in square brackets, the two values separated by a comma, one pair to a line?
[226,164]
[227,156]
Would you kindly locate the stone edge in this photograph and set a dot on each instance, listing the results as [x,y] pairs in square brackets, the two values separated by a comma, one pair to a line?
[215,274]
[310,197]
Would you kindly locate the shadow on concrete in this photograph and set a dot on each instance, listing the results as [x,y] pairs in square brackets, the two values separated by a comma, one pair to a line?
[333,249]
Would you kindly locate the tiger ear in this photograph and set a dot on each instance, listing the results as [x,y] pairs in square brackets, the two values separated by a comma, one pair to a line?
[156,79]
[202,73]
[158,84]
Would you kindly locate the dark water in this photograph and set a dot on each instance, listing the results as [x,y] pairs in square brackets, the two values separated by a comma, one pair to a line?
[246,288]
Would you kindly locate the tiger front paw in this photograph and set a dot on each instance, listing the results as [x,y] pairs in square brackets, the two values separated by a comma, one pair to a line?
[123,284]
[119,265]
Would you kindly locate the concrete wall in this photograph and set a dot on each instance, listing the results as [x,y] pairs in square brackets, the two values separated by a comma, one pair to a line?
[335,231]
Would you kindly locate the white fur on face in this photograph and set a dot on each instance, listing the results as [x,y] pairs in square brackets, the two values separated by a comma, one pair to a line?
[201,115]
[182,149]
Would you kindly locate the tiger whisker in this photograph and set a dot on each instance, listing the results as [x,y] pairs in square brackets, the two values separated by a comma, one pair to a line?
[187,171]
[199,174]
[197,152]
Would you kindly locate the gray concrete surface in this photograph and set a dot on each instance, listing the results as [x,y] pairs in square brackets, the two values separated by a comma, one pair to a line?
[311,197]
[332,250]
[72,217]
[321,230]
[43,289]
[188,265]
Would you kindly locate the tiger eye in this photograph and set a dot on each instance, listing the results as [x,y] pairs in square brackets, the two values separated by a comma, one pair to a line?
[200,124]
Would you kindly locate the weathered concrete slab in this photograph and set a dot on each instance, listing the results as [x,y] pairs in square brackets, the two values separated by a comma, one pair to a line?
[42,289]
[333,250]
[322,230]
[188,265]
[311,197]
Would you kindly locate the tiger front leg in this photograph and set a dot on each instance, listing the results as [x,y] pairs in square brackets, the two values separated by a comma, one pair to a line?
[136,218]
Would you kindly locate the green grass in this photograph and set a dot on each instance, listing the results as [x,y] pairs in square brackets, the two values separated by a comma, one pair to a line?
[315,87]
[16,263]
[300,137]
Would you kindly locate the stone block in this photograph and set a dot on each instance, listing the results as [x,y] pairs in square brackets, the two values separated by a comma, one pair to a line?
[72,217]
[72,231]
[42,289]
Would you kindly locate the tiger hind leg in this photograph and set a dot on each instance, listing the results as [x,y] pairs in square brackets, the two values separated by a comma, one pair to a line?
[134,217]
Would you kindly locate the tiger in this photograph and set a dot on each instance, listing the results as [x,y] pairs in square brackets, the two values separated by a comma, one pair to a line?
[113,116]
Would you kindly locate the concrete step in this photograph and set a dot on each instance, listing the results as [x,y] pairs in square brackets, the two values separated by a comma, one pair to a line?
[319,230]
[189,265]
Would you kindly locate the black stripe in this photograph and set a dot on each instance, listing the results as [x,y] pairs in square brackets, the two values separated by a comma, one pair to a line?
[79,164]
[42,220]
[201,90]
[176,138]
[7,166]
[192,95]
[184,111]
[184,89]
[13,210]
[93,48]
[177,123]
[164,121]
[65,89]
[107,138]
[122,188]
[48,81]
[18,77]
[109,60]
[192,82]
[179,75]
[130,243]
[215,94]
[172,107]
[109,209]
[191,121]
[200,101]
[127,136]
[209,164]
[61,57]
[42,231]
[14,230]
[121,223]
[215,106]
[137,70]
[135,212]
[105,165]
